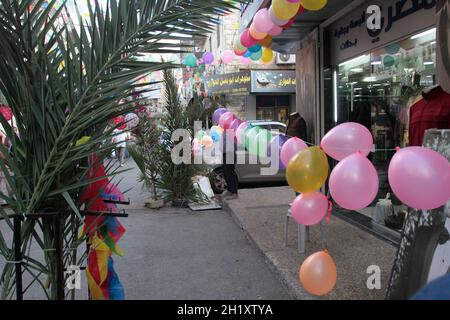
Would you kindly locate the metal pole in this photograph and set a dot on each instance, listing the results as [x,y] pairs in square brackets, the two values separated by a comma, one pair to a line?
[18,256]
[58,219]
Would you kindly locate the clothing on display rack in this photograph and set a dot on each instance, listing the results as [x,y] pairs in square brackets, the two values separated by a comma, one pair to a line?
[296,126]
[431,112]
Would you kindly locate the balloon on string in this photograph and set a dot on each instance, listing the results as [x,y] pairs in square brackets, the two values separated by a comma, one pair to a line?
[208,57]
[318,273]
[274,148]
[240,132]
[276,21]
[234,124]
[226,119]
[262,21]
[267,55]
[256,55]
[309,208]
[199,135]
[239,46]
[250,135]
[292,146]
[6,112]
[190,60]
[132,120]
[255,48]
[314,5]
[276,30]
[255,34]
[245,60]
[354,182]
[308,170]
[217,114]
[246,39]
[346,139]
[248,54]
[420,178]
[260,142]
[227,56]
[285,10]
[266,42]
[207,141]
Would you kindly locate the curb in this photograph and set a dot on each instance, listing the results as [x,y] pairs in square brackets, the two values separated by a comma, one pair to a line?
[293,291]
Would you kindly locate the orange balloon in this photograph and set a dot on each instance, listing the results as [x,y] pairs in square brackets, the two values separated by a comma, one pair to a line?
[318,273]
[266,42]
[256,34]
[207,141]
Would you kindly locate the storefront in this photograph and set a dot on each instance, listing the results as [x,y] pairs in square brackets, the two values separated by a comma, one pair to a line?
[374,77]
[257,94]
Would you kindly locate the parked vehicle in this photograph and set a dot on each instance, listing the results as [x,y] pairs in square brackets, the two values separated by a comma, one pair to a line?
[250,173]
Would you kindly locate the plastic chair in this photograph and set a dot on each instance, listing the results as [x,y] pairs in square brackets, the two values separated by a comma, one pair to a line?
[302,233]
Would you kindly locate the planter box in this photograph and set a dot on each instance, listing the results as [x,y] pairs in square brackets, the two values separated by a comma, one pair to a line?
[154,204]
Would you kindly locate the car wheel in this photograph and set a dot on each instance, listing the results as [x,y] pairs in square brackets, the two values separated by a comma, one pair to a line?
[218,183]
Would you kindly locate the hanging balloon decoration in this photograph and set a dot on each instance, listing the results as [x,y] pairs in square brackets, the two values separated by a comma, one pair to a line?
[255,48]
[255,34]
[190,60]
[286,10]
[266,42]
[227,56]
[292,146]
[267,55]
[262,21]
[246,39]
[354,182]
[420,178]
[217,114]
[256,55]
[318,273]
[309,208]
[245,60]
[276,30]
[226,119]
[276,21]
[208,58]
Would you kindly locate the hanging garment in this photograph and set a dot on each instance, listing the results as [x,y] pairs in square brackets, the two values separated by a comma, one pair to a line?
[296,127]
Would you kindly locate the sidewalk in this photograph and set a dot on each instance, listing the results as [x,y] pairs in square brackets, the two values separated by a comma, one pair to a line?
[261,214]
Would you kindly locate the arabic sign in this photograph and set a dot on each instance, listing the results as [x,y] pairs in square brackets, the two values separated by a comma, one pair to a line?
[273,81]
[399,18]
[231,83]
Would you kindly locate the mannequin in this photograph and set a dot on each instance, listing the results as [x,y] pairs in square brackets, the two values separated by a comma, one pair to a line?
[296,126]
[430,112]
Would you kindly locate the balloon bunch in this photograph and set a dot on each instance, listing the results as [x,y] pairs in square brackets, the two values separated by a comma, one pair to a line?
[255,42]
[191,60]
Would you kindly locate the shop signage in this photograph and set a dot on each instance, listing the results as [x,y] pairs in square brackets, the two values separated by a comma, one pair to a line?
[389,20]
[273,81]
[231,83]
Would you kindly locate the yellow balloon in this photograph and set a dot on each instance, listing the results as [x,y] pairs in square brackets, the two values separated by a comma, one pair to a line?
[256,34]
[284,9]
[308,170]
[313,5]
[267,55]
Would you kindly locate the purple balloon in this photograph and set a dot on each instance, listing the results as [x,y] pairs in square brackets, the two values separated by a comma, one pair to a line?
[217,114]
[234,124]
[208,58]
[276,144]
[354,182]
[420,178]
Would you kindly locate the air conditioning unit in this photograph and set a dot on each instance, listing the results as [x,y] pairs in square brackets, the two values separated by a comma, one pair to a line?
[283,58]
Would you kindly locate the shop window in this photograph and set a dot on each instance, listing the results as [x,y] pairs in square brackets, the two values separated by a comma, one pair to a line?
[272,108]
[377,90]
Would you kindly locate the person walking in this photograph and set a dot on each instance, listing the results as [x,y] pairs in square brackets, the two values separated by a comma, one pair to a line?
[229,166]
[120,140]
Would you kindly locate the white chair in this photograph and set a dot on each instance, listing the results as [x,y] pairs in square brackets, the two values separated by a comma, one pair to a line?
[302,233]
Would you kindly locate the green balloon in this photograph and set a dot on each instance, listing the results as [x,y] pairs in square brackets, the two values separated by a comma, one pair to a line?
[190,60]
[262,141]
[239,46]
[256,55]
[250,135]
[200,134]
[388,61]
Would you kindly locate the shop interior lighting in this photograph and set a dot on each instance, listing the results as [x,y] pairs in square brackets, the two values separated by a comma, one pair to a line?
[427,63]
[363,57]
[335,99]
[357,70]
[425,33]
[375,63]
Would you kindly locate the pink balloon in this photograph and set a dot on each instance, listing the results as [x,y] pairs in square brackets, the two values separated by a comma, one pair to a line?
[420,178]
[226,119]
[346,139]
[227,56]
[262,21]
[293,146]
[240,132]
[245,60]
[246,39]
[309,208]
[234,124]
[276,30]
[275,20]
[354,182]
